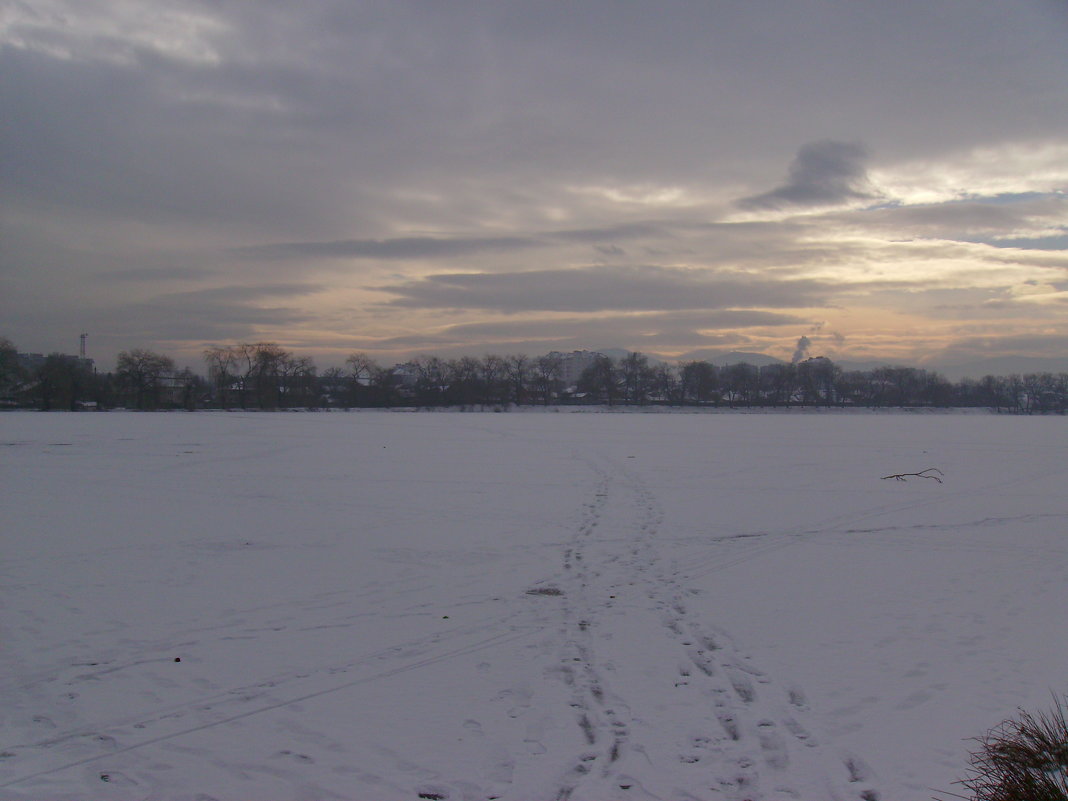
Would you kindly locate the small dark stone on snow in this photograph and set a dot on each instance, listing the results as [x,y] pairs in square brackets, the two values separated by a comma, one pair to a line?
[177,659]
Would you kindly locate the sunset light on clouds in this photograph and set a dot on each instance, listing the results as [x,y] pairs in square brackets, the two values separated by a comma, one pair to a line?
[402,178]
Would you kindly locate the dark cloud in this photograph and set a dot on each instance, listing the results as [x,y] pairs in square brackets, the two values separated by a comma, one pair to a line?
[596,289]
[826,173]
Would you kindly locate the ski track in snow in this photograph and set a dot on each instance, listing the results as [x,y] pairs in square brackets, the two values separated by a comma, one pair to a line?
[632,690]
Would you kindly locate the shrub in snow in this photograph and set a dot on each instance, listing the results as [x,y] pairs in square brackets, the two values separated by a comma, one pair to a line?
[1022,759]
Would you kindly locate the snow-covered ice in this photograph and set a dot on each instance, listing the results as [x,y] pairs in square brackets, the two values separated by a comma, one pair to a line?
[522,606]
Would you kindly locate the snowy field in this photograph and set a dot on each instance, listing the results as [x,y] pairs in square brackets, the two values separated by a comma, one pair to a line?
[387,606]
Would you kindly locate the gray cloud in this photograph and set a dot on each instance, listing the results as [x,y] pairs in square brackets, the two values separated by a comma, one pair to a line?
[516,136]
[660,324]
[217,314]
[1052,346]
[938,217]
[235,294]
[1053,242]
[423,247]
[978,219]
[433,247]
[613,233]
[112,141]
[303,116]
[132,325]
[823,173]
[159,274]
[599,289]
[645,332]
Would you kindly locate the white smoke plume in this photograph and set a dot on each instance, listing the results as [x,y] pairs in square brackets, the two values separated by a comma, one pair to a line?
[803,344]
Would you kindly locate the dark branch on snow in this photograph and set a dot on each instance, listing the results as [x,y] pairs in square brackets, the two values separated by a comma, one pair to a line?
[921,474]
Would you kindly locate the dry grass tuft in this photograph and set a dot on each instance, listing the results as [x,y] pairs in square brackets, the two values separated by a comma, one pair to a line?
[1022,759]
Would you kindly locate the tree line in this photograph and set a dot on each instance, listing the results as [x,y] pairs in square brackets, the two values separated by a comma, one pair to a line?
[263,375]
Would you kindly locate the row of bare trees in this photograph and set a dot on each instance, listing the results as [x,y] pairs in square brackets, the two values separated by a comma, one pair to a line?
[263,375]
[636,380]
[142,380]
[432,381]
[816,382]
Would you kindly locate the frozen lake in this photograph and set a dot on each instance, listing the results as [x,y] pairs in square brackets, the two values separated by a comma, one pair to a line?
[522,606]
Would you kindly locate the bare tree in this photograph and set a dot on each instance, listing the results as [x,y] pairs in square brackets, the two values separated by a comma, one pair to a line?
[546,381]
[518,376]
[699,382]
[384,387]
[297,385]
[742,383]
[222,372]
[496,379]
[665,384]
[602,380]
[778,383]
[262,371]
[62,381]
[465,381]
[361,367]
[333,385]
[11,373]
[1014,390]
[142,372]
[637,378]
[432,380]
[361,371]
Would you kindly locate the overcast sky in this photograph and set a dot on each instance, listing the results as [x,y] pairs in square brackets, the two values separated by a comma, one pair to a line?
[886,178]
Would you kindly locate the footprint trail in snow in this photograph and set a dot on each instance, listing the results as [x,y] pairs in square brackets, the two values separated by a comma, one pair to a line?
[661,703]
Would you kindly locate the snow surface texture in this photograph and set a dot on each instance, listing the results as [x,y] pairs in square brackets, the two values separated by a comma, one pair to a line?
[569,607]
